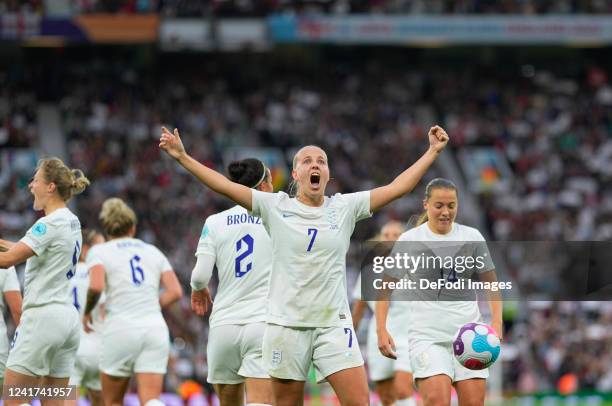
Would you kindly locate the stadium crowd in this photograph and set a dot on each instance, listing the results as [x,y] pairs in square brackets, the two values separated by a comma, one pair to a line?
[259,8]
[555,130]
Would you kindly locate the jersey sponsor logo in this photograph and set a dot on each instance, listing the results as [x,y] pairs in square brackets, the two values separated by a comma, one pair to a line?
[242,219]
[39,229]
[277,357]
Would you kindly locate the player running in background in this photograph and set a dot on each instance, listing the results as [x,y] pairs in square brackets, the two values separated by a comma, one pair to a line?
[86,372]
[433,324]
[392,378]
[135,338]
[47,338]
[309,319]
[11,295]
[239,245]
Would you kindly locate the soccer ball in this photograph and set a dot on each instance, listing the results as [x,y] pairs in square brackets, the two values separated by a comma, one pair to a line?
[476,346]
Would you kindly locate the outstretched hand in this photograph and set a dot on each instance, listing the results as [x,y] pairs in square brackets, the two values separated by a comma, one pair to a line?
[200,301]
[171,143]
[438,138]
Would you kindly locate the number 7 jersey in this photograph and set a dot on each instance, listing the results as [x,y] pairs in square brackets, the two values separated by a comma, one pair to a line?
[242,251]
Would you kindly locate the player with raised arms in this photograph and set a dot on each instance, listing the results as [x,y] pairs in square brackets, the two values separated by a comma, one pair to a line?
[239,245]
[309,319]
[135,337]
[392,378]
[433,324]
[47,338]
[86,372]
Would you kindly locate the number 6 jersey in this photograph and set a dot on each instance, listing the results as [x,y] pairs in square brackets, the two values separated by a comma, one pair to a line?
[242,251]
[133,271]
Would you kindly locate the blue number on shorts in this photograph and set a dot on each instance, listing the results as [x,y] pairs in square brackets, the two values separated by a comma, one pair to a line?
[75,259]
[350,333]
[250,244]
[137,272]
[75,298]
[314,232]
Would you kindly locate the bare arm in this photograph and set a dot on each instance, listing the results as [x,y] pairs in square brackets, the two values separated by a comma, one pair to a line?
[16,254]
[495,302]
[172,289]
[408,179]
[173,146]
[386,345]
[5,245]
[357,312]
[13,299]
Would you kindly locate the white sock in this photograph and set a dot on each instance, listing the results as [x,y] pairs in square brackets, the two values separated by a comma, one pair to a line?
[257,404]
[154,402]
[406,402]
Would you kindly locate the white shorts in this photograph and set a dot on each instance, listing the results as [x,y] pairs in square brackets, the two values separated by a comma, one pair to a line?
[46,341]
[380,367]
[86,371]
[134,349]
[4,351]
[438,359]
[289,351]
[234,353]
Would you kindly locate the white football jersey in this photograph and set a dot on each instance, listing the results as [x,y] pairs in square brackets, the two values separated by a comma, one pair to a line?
[242,250]
[79,285]
[438,321]
[56,241]
[309,245]
[133,272]
[8,283]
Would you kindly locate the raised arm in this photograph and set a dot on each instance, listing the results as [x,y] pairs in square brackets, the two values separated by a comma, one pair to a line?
[408,179]
[171,143]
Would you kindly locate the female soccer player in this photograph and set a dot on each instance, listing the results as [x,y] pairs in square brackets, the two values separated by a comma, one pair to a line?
[46,341]
[86,372]
[11,292]
[308,314]
[433,324]
[239,245]
[392,378]
[135,338]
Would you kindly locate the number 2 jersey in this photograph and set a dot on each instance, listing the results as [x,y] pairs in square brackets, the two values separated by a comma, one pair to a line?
[133,272]
[309,244]
[56,240]
[242,251]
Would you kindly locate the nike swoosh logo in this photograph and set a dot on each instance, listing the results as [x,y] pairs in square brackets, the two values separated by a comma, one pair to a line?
[288,215]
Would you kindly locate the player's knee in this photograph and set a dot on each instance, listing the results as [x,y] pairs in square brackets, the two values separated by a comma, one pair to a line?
[403,391]
[386,398]
[360,399]
[435,399]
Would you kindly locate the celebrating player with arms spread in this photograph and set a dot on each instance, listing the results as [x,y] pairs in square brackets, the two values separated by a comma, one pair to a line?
[308,315]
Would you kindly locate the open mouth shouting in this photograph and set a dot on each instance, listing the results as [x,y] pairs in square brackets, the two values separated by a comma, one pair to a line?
[315,180]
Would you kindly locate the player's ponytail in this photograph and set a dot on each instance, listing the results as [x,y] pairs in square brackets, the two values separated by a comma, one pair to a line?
[117,217]
[68,182]
[437,183]
[249,172]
